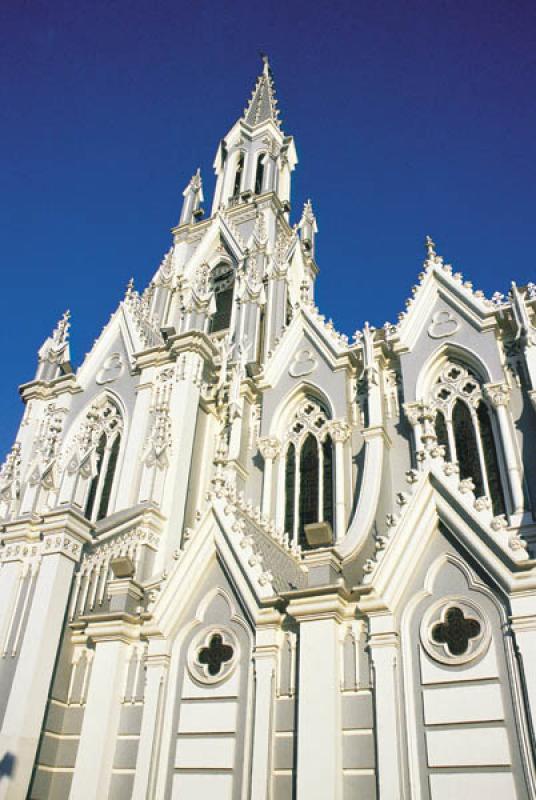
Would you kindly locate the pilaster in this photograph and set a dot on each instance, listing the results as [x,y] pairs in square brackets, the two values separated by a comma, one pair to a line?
[63,536]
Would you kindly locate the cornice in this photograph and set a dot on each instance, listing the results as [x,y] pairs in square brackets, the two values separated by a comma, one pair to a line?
[48,390]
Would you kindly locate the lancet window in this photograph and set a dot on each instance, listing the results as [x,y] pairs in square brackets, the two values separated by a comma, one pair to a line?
[466,428]
[238,177]
[309,472]
[102,435]
[259,174]
[222,280]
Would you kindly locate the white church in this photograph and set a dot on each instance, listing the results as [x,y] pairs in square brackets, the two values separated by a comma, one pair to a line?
[243,557]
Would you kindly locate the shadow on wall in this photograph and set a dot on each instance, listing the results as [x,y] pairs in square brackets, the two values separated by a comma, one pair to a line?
[7,765]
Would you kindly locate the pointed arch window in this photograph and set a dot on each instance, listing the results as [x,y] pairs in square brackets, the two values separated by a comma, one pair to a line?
[238,176]
[308,471]
[464,425]
[259,174]
[100,441]
[222,280]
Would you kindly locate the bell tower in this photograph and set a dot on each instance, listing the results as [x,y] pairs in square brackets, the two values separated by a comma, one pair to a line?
[255,157]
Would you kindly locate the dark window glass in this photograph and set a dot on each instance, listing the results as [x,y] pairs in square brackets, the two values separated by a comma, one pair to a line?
[290,489]
[466,446]
[308,486]
[221,318]
[259,174]
[490,459]
[442,435]
[109,478]
[238,176]
[327,452]
[95,480]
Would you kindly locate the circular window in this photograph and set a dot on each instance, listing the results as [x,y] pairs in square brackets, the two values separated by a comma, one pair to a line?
[213,655]
[455,631]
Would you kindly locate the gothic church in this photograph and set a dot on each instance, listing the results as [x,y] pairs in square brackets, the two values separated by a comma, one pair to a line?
[245,558]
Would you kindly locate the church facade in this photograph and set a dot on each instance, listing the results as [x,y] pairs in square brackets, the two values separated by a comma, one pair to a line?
[244,557]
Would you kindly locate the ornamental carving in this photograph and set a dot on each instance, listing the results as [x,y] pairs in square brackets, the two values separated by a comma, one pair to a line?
[112,369]
[443,324]
[303,363]
[339,430]
[498,394]
[269,447]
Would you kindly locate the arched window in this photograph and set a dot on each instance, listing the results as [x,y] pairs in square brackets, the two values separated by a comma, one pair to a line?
[290,487]
[238,176]
[491,460]
[309,476]
[464,426]
[467,446]
[259,174]
[101,434]
[442,433]
[308,471]
[222,280]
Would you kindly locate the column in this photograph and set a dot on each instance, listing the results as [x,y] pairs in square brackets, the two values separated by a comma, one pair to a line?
[64,535]
[523,623]
[319,761]
[385,654]
[340,432]
[157,666]
[269,447]
[499,396]
[265,667]
[413,413]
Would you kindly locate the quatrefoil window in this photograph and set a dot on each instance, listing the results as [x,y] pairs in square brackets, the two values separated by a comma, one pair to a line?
[456,631]
[215,655]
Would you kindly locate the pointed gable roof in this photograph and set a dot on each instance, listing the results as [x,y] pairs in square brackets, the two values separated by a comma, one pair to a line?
[262,105]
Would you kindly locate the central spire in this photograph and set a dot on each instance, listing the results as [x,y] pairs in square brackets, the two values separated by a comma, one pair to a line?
[262,105]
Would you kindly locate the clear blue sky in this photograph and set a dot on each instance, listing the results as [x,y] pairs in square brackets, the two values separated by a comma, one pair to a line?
[409,118]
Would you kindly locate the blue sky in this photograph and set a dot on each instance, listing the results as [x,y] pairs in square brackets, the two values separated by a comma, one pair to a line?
[409,118]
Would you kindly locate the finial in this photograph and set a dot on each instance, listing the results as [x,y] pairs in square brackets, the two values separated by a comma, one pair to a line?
[61,331]
[430,248]
[130,288]
[266,63]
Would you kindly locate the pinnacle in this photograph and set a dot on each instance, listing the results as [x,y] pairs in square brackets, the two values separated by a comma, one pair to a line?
[262,105]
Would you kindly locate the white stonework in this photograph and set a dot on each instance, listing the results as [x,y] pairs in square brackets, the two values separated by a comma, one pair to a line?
[167,630]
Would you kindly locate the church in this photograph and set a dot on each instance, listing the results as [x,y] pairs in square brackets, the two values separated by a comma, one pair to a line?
[246,557]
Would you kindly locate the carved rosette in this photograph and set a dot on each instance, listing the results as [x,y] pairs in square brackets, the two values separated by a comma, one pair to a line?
[269,447]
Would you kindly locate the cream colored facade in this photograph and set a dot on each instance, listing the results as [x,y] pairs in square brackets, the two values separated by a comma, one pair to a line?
[245,557]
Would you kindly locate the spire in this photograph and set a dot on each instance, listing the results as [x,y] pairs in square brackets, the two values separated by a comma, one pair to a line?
[262,105]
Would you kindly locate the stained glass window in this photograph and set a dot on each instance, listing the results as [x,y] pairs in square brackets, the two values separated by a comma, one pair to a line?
[99,454]
[109,478]
[442,435]
[490,459]
[327,452]
[308,485]
[290,489]
[466,446]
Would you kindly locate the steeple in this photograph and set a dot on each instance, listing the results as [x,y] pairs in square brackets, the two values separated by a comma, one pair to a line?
[262,105]
[255,157]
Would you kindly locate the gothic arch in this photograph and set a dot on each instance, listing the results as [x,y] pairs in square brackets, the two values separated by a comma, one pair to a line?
[94,453]
[288,406]
[440,357]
